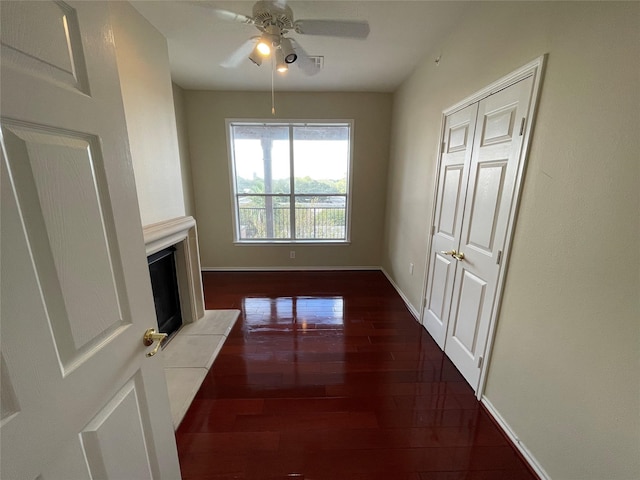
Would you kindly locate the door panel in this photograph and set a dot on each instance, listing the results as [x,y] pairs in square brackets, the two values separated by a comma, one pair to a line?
[489,183]
[108,454]
[465,319]
[497,125]
[449,206]
[458,136]
[458,133]
[55,54]
[56,175]
[438,298]
[490,197]
[79,398]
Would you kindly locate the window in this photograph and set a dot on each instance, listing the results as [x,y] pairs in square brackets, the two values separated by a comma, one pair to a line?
[290,181]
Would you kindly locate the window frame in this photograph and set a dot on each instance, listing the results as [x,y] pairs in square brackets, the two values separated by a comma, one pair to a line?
[290,123]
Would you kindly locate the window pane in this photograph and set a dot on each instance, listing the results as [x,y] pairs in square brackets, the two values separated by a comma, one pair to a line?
[261,156]
[263,217]
[321,158]
[320,218]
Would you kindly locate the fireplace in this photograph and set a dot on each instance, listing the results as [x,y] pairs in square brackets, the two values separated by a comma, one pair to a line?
[180,235]
[166,295]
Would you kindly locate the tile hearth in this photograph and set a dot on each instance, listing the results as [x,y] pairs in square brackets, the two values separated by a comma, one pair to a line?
[190,354]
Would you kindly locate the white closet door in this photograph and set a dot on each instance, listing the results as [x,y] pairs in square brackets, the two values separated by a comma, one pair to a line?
[79,398]
[493,172]
[452,184]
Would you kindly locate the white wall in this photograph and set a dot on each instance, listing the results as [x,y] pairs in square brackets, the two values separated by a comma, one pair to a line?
[183,146]
[143,65]
[565,371]
[206,114]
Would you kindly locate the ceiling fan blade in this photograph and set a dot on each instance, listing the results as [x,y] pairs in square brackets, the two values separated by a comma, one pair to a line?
[240,54]
[333,28]
[280,3]
[222,14]
[304,62]
[233,16]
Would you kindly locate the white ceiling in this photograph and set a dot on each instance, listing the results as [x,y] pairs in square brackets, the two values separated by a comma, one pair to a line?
[402,33]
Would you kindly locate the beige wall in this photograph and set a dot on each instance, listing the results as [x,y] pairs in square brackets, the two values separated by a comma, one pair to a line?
[565,367]
[206,114]
[143,65]
[183,147]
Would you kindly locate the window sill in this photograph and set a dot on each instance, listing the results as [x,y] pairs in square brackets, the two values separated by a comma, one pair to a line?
[272,243]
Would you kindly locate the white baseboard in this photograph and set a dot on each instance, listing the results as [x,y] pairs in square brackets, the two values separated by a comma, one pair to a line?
[411,308]
[506,428]
[286,269]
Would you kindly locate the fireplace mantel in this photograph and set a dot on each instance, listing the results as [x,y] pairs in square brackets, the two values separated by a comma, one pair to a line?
[165,234]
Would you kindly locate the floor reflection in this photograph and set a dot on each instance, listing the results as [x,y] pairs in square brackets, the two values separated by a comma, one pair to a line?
[293,313]
[308,333]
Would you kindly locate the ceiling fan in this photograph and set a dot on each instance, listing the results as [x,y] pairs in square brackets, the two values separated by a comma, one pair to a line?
[275,21]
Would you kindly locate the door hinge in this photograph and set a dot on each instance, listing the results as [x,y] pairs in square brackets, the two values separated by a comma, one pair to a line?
[433,229]
[480,361]
[499,257]
[522,126]
[442,147]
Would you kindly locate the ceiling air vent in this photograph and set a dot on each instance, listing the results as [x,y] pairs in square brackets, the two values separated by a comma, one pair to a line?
[318,60]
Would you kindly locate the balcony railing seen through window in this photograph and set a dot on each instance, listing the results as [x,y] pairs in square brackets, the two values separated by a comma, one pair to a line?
[320,220]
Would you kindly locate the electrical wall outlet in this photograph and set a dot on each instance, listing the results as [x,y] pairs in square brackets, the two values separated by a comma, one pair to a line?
[292,254]
[411,269]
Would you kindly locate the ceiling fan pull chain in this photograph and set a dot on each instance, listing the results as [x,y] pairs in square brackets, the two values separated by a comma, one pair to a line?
[273,101]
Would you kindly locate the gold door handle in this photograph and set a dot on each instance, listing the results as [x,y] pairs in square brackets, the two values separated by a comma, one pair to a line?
[458,256]
[453,253]
[151,336]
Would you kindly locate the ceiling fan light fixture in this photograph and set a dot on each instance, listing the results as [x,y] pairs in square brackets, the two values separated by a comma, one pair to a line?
[281,65]
[255,56]
[264,46]
[288,52]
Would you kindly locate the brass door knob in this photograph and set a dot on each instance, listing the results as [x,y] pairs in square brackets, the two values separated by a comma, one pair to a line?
[458,256]
[151,336]
[450,252]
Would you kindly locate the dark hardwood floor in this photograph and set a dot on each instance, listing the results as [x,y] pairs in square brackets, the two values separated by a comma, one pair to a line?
[327,376]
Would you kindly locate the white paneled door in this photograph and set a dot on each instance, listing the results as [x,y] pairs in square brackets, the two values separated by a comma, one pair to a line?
[475,201]
[80,400]
[453,178]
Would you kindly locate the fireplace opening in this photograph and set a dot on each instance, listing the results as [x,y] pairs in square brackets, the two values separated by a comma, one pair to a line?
[166,297]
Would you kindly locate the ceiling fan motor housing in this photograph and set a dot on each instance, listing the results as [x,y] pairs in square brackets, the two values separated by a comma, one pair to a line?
[266,14]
